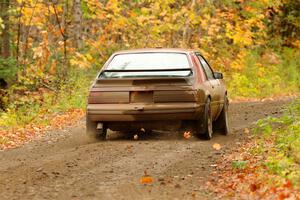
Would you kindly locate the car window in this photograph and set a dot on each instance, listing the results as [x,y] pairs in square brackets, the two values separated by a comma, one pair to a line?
[166,64]
[209,73]
[132,61]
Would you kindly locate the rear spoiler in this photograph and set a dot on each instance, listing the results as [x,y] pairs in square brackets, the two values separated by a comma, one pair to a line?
[144,70]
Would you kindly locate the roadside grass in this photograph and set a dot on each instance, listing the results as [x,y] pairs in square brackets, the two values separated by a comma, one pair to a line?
[266,164]
[33,106]
[36,111]
[279,143]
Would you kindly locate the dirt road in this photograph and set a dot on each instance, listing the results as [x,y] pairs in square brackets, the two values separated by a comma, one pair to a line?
[67,165]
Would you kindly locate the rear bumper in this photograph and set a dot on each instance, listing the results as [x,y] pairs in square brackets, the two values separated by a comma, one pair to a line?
[144,112]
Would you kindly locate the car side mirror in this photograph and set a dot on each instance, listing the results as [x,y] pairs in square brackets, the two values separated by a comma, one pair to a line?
[218,75]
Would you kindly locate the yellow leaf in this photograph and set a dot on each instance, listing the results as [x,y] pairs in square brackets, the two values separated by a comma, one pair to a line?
[217,146]
[89,57]
[246,130]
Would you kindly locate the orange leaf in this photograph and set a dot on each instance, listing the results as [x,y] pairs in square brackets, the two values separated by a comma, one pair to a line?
[288,184]
[254,187]
[187,135]
[283,196]
[273,190]
[146,179]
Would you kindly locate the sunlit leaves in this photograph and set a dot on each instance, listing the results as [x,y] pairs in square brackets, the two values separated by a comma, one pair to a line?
[84,61]
[1,25]
[225,32]
[240,34]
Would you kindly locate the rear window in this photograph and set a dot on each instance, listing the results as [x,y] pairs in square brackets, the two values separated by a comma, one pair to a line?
[146,64]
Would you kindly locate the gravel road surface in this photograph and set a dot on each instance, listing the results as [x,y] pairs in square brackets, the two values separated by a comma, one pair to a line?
[66,164]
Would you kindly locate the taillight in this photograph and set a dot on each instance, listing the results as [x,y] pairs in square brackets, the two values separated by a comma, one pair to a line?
[98,97]
[174,96]
[108,97]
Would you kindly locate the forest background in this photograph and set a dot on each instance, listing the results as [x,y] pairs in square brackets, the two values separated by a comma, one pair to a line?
[50,51]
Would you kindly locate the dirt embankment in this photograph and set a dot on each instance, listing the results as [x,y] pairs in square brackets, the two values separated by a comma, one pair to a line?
[67,165]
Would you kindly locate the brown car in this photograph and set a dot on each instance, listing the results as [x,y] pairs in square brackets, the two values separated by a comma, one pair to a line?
[157,89]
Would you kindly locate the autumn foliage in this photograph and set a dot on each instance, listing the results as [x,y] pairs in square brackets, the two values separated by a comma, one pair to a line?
[51,50]
[252,42]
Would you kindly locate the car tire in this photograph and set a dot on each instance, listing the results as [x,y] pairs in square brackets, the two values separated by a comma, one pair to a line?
[93,132]
[222,123]
[204,126]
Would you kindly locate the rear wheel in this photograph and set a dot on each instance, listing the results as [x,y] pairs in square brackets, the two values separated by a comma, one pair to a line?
[222,123]
[204,126]
[93,132]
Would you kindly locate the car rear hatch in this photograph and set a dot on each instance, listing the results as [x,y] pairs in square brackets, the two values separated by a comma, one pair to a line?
[149,90]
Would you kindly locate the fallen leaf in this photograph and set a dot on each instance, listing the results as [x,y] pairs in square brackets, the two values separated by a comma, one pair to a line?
[241,176]
[283,196]
[246,131]
[273,190]
[146,179]
[194,195]
[187,135]
[217,146]
[288,184]
[254,187]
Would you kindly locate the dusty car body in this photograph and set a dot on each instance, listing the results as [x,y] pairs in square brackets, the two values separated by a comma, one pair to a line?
[157,89]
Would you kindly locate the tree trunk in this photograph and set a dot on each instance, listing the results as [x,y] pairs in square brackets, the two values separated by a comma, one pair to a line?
[5,47]
[63,27]
[77,17]
[65,38]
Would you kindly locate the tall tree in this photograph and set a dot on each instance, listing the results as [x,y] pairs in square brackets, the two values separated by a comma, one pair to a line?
[77,24]
[5,39]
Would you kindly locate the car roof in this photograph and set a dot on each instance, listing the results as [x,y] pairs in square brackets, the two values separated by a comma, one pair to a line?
[155,50]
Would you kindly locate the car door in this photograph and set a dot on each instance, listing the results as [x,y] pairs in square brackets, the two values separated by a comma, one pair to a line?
[214,84]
